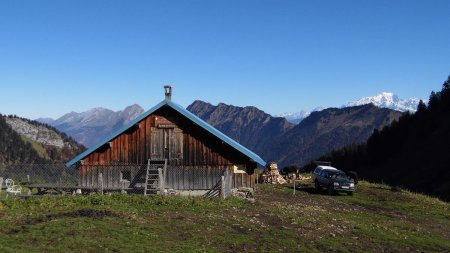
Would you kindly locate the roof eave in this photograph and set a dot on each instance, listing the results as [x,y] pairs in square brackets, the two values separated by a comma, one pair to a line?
[252,156]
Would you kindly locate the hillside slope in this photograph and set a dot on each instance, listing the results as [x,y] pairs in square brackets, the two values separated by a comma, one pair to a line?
[413,153]
[249,126]
[328,130]
[275,139]
[39,142]
[13,148]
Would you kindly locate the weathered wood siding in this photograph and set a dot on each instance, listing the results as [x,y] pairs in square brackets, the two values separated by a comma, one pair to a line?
[166,130]
[177,177]
[198,178]
[165,134]
[89,175]
[244,180]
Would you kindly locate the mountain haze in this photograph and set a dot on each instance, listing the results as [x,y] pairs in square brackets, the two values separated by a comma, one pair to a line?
[92,126]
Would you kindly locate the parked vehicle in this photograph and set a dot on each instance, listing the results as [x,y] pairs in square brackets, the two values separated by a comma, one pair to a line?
[333,180]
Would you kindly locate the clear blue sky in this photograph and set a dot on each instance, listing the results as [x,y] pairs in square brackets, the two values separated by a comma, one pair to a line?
[61,56]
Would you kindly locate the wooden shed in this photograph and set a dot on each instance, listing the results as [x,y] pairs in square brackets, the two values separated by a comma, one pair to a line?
[196,154]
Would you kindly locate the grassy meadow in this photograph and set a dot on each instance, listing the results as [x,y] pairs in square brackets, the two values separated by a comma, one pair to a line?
[375,219]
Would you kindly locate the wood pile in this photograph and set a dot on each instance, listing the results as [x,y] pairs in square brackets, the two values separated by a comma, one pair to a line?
[272,175]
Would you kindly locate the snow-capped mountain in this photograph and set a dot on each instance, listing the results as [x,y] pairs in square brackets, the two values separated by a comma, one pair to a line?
[388,100]
[382,100]
[297,117]
[294,117]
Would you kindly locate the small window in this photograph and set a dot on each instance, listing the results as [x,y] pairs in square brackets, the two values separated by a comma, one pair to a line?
[239,168]
[125,175]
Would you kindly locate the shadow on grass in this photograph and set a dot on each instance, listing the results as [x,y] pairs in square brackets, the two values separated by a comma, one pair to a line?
[311,190]
[305,188]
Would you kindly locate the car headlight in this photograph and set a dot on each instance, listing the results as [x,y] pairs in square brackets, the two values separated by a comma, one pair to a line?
[336,184]
[352,185]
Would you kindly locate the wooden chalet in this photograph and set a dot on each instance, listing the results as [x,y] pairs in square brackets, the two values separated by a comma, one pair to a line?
[196,154]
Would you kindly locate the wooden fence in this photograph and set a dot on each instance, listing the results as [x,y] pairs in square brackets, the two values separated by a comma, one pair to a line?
[243,180]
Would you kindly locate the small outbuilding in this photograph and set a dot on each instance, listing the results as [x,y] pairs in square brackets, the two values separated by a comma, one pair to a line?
[192,154]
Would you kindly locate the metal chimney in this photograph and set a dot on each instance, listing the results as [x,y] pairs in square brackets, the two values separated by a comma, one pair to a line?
[168,91]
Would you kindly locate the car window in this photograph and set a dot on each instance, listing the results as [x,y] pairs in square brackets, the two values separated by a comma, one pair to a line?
[339,175]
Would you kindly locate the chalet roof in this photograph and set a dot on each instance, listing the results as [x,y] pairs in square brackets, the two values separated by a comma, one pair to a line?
[185,113]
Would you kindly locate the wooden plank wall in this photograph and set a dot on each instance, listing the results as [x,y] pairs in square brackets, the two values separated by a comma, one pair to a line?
[199,178]
[192,146]
[88,175]
[177,177]
[135,145]
[243,180]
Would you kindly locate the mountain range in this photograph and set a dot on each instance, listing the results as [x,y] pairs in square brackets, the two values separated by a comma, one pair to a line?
[388,100]
[382,100]
[249,126]
[92,126]
[274,138]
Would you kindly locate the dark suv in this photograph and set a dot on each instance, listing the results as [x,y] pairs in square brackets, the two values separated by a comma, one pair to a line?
[333,180]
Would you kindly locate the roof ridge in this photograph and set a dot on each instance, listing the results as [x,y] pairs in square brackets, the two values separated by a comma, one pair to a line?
[187,114]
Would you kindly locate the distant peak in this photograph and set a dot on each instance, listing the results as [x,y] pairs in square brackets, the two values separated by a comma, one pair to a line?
[200,102]
[135,107]
[388,100]
[96,109]
[386,94]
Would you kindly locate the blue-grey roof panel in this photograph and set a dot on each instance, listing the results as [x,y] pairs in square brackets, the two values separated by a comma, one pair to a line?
[187,114]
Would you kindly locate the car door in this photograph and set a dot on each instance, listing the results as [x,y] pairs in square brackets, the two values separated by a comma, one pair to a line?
[323,179]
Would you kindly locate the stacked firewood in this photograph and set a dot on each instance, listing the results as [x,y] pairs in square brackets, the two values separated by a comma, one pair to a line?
[272,175]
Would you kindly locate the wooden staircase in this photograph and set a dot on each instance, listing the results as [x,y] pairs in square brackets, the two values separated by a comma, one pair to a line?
[153,176]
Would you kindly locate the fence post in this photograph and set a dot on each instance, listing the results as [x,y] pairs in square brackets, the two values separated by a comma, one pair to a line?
[294,187]
[1,183]
[164,176]
[229,182]
[100,178]
[161,181]
[222,187]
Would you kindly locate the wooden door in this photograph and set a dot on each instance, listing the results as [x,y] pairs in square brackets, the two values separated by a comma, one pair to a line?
[176,146]
[167,143]
[157,144]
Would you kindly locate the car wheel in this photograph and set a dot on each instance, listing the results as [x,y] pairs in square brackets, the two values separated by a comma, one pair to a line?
[350,193]
[330,189]
[317,185]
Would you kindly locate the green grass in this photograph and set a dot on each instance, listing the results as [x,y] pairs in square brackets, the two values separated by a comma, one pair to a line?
[375,219]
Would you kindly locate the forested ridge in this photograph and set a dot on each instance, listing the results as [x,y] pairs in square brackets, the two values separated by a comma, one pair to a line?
[13,148]
[413,152]
[24,141]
